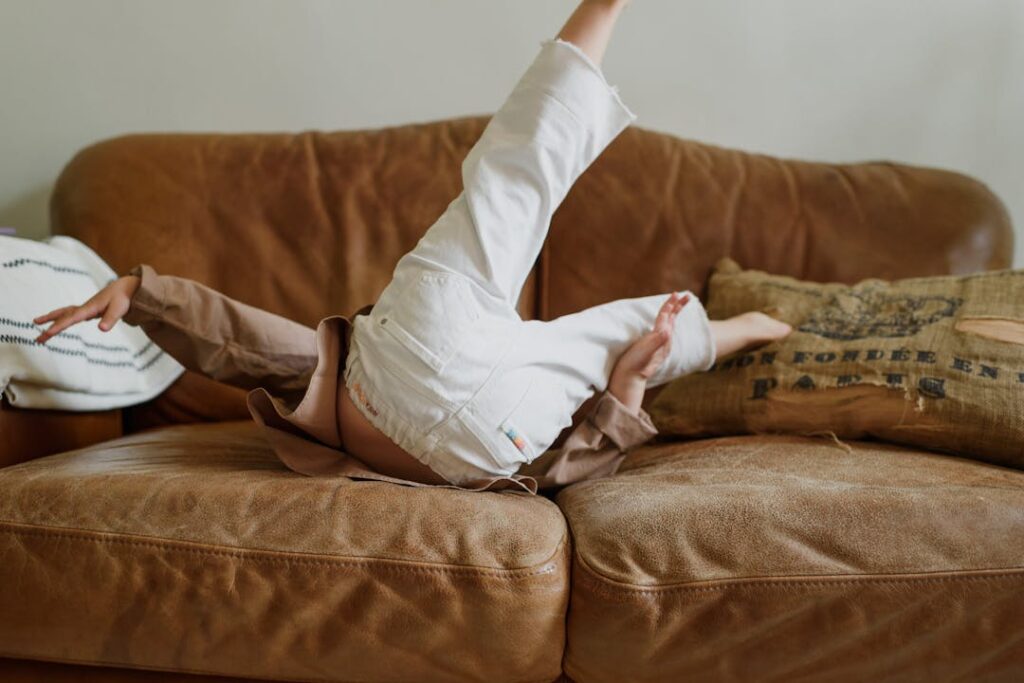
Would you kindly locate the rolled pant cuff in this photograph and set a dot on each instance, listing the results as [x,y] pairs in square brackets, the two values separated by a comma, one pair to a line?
[566,72]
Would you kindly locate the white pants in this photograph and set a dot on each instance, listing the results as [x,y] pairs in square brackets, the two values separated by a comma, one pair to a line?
[448,368]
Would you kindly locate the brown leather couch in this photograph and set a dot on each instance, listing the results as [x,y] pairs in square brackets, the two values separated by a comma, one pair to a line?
[166,539]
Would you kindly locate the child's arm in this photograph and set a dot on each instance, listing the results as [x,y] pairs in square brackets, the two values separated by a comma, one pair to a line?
[596,447]
[202,329]
[590,26]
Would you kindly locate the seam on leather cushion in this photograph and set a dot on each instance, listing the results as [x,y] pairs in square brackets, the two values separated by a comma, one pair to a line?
[29,530]
[132,665]
[586,575]
[189,670]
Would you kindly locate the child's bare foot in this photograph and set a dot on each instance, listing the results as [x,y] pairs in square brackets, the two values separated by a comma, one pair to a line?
[745,330]
[763,328]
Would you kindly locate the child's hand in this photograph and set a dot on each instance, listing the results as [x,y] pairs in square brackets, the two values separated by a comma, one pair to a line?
[112,302]
[642,359]
[648,352]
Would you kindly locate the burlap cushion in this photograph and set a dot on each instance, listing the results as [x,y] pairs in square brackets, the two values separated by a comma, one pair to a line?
[936,362]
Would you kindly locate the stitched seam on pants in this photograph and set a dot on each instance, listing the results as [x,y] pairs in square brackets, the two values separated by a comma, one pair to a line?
[499,363]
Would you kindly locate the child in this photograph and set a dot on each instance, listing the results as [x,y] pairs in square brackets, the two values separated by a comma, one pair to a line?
[441,382]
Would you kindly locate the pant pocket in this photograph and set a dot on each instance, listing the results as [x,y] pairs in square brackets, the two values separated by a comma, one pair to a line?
[537,420]
[432,316]
[521,423]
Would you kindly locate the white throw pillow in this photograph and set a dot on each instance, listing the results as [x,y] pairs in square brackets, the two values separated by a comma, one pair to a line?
[82,368]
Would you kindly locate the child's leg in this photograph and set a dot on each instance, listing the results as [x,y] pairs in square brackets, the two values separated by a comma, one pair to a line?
[562,361]
[581,348]
[558,118]
[746,329]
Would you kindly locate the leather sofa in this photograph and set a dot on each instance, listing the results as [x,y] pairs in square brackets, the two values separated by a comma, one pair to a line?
[164,541]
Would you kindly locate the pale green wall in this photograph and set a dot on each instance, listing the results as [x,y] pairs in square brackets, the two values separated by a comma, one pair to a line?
[936,82]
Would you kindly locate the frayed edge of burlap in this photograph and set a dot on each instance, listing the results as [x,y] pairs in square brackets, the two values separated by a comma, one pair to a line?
[826,433]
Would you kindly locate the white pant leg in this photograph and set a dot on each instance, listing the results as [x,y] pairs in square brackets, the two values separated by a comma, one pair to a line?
[561,362]
[444,322]
[559,117]
[583,347]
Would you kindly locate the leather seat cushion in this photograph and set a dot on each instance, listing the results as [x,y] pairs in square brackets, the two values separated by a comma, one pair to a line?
[805,557]
[191,548]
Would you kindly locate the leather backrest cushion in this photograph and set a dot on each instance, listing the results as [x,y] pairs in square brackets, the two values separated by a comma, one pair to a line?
[655,212]
[309,224]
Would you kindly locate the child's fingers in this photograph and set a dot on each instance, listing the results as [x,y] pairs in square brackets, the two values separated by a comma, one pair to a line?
[677,300]
[656,350]
[115,309]
[669,308]
[666,307]
[675,304]
[653,341]
[52,330]
[665,313]
[55,328]
[70,318]
[679,305]
[55,313]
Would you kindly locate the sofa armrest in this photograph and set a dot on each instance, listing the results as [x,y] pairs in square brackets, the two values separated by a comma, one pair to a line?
[28,434]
